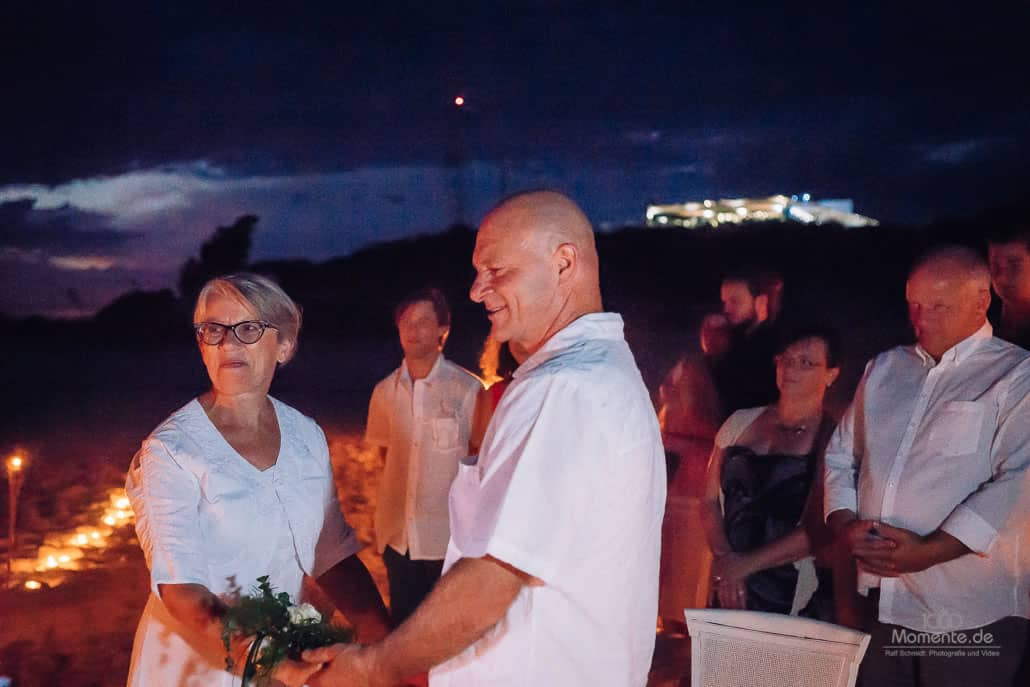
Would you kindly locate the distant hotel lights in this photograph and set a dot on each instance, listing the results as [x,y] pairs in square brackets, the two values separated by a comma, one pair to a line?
[713,213]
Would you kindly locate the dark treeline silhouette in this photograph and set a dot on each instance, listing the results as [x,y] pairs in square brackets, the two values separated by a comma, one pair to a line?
[225,252]
[661,280]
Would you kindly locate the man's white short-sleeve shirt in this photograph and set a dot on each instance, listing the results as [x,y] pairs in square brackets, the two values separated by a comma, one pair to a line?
[424,425]
[570,488]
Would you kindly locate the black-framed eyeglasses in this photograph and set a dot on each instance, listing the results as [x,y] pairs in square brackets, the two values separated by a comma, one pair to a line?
[246,332]
[790,361]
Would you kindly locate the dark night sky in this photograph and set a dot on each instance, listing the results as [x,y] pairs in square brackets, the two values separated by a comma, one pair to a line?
[131,130]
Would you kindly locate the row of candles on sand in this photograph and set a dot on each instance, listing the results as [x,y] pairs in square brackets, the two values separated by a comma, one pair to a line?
[67,551]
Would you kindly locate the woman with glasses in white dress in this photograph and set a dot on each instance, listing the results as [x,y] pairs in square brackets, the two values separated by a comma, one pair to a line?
[233,486]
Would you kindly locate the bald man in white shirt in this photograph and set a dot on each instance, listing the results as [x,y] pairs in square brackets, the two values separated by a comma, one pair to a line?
[927,483]
[551,575]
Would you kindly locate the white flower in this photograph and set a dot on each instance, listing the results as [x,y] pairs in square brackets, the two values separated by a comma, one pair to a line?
[304,614]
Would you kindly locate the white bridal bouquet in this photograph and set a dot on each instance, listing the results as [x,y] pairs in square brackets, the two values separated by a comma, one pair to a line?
[279,630]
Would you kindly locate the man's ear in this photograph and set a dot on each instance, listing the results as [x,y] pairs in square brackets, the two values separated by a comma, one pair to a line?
[565,257]
[444,333]
[762,307]
[983,301]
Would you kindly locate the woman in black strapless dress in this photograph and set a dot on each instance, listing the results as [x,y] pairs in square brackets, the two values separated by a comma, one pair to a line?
[764,497]
[763,490]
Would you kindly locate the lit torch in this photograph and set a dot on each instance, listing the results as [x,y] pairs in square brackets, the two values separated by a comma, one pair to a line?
[15,464]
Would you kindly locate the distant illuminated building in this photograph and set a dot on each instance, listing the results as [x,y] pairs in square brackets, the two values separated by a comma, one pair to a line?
[713,213]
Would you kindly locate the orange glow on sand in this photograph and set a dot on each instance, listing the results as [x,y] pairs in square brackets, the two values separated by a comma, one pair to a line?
[76,549]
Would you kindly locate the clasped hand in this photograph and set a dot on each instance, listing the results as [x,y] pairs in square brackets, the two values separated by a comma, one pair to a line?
[339,665]
[729,575]
[883,550]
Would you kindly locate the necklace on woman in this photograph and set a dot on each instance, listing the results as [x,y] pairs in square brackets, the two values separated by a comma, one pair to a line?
[796,430]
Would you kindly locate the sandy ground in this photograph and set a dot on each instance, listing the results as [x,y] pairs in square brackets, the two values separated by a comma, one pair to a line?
[79,633]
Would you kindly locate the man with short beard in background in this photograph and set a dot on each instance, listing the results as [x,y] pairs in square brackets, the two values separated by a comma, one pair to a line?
[751,300]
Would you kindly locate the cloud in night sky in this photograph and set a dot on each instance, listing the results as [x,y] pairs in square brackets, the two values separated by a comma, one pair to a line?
[136,229]
[26,226]
[139,227]
[131,131]
[963,151]
[43,248]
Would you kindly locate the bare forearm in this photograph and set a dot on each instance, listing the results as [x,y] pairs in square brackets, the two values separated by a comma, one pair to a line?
[787,549]
[845,595]
[198,610]
[352,589]
[711,521]
[839,518]
[942,547]
[469,600]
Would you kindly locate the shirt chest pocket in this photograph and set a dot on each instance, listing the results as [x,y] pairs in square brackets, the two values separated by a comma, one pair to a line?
[446,432]
[957,428]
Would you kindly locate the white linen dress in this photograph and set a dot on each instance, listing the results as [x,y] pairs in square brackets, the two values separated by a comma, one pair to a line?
[205,515]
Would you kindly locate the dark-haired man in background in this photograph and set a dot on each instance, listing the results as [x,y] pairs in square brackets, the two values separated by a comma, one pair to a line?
[1008,249]
[420,417]
[751,300]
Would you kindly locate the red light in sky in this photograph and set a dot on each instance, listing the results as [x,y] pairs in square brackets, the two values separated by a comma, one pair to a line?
[459,101]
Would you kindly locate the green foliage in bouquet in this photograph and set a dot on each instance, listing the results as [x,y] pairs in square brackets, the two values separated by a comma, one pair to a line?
[280,630]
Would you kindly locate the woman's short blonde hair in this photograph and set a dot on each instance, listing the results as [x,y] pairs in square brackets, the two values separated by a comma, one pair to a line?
[262,295]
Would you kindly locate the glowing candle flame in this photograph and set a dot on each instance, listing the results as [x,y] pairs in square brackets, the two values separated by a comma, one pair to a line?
[122,503]
[51,562]
[80,540]
[109,520]
[33,584]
